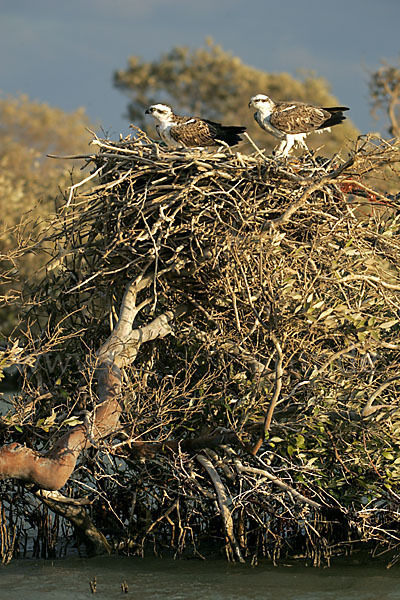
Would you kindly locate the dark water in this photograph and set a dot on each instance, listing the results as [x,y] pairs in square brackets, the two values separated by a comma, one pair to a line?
[156,579]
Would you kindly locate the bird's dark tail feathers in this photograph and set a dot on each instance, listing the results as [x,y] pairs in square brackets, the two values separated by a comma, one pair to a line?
[336,117]
[230,134]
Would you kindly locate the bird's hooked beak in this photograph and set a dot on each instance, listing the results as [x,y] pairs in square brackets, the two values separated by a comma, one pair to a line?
[147,111]
[251,103]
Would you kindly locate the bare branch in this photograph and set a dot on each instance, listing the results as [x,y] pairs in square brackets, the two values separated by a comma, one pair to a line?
[224,503]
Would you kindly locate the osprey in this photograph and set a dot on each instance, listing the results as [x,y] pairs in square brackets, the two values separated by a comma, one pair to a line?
[292,122]
[191,131]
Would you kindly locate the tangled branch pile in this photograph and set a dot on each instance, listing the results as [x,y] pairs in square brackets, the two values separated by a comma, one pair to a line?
[261,390]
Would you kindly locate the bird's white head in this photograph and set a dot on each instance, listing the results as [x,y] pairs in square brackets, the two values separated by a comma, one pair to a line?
[261,103]
[161,112]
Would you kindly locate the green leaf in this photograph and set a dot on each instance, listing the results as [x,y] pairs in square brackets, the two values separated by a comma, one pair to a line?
[388,324]
[291,450]
[318,304]
[72,421]
[325,313]
[388,454]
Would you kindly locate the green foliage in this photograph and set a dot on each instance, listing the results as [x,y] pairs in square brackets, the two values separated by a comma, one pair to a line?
[30,182]
[29,130]
[212,83]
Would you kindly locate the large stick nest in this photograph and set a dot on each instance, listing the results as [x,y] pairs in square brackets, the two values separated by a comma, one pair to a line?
[245,240]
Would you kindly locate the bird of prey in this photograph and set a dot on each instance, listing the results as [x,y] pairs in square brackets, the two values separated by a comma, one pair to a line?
[191,131]
[292,122]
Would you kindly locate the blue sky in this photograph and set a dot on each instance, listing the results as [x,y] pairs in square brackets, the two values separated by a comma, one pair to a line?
[65,52]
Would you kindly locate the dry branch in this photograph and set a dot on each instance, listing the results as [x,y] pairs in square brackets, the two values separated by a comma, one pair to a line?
[224,503]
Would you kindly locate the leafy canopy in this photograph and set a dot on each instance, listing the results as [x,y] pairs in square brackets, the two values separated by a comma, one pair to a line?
[30,182]
[28,131]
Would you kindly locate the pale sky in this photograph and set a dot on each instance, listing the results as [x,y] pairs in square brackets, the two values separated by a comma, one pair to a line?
[65,52]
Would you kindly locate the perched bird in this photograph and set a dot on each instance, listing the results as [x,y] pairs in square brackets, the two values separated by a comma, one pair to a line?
[191,131]
[292,122]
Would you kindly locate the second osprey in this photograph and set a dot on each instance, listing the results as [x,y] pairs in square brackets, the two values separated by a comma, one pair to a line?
[191,131]
[292,122]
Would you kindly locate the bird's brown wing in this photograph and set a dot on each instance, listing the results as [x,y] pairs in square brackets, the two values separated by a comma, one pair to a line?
[292,117]
[194,132]
[260,121]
